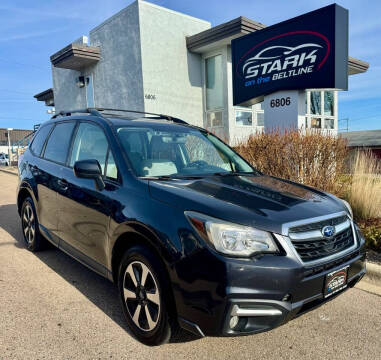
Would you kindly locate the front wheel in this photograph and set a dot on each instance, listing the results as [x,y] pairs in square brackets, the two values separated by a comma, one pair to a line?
[144,292]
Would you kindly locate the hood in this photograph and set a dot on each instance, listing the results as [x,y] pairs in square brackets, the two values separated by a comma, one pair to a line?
[262,201]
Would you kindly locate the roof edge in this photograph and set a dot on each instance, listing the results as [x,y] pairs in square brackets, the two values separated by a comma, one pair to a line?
[43,94]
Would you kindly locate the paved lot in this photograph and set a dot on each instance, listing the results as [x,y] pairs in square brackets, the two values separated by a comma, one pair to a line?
[51,307]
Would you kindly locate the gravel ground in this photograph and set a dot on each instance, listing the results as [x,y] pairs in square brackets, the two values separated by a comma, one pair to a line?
[52,307]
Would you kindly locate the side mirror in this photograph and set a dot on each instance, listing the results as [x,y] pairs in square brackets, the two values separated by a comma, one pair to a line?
[90,169]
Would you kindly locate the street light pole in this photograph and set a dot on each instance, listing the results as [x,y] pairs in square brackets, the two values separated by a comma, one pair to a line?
[9,146]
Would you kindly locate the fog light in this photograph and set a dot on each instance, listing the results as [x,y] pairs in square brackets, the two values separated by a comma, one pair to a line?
[233,321]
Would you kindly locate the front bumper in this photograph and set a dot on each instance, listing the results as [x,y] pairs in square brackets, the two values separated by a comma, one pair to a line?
[307,296]
[264,293]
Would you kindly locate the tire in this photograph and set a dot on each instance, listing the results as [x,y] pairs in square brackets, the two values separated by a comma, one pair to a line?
[152,294]
[30,228]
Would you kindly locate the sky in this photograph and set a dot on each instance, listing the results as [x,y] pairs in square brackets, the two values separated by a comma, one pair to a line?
[31,31]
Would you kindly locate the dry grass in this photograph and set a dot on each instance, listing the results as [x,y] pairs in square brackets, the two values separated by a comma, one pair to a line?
[365,191]
[311,157]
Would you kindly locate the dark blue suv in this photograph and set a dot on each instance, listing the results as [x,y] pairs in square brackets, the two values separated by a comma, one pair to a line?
[194,237]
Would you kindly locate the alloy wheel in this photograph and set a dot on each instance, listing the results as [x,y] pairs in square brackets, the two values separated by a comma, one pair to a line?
[28,224]
[141,295]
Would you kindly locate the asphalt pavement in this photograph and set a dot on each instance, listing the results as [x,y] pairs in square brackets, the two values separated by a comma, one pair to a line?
[52,307]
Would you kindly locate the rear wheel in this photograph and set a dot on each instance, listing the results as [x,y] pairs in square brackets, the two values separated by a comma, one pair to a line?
[144,291]
[33,239]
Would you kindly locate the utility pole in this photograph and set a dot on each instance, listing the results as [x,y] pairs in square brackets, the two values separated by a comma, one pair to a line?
[9,146]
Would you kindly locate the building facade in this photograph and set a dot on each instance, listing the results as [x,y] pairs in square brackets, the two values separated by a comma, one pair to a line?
[17,138]
[365,140]
[149,58]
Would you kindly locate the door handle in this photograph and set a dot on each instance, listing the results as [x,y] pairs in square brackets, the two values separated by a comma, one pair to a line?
[63,184]
[34,169]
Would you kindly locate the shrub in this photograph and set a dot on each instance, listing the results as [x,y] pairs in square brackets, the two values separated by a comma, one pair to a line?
[365,191]
[372,233]
[309,157]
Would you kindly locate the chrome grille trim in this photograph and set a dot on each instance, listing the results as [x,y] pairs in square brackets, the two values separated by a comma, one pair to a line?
[316,234]
[286,243]
[287,226]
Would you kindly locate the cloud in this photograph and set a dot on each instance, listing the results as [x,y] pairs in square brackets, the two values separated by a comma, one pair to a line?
[28,35]
[37,15]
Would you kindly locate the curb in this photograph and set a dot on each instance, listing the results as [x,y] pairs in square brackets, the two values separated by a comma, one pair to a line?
[373,273]
[9,172]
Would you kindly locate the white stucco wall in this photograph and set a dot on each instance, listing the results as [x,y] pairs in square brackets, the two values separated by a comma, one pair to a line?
[118,79]
[172,78]
[67,95]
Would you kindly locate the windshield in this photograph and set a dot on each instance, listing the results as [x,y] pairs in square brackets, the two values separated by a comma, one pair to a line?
[156,153]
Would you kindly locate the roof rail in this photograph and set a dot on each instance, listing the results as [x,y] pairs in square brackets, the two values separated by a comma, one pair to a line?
[98,112]
[160,116]
[91,111]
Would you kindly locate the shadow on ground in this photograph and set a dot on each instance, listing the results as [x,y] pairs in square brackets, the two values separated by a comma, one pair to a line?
[100,291]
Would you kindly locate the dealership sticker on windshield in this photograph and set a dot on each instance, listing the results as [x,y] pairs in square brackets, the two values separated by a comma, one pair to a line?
[336,281]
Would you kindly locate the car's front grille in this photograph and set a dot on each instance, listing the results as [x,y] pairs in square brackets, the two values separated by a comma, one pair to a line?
[318,225]
[311,245]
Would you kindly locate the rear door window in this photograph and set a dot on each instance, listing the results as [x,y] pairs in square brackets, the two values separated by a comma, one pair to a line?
[39,139]
[59,142]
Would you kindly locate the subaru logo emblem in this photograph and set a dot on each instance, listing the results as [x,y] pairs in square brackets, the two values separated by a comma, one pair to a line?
[328,231]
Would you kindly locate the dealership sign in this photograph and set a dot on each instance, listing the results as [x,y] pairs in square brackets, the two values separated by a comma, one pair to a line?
[309,51]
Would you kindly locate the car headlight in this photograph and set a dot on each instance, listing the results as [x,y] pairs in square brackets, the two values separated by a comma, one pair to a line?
[346,203]
[232,239]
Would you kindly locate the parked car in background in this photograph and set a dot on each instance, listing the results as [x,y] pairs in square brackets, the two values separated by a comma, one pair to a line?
[193,236]
[4,159]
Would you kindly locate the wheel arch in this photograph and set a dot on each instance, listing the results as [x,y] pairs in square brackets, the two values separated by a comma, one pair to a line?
[135,237]
[128,239]
[23,193]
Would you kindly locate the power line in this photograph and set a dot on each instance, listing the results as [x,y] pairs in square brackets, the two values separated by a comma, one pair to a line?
[16,92]
[20,99]
[15,118]
[22,64]
[365,117]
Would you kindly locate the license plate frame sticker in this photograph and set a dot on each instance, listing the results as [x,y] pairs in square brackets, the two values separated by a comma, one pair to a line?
[336,281]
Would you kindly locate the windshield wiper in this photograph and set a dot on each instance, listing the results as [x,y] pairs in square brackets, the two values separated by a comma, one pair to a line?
[171,177]
[236,173]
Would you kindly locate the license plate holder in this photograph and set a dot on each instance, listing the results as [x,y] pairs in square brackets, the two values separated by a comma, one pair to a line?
[336,281]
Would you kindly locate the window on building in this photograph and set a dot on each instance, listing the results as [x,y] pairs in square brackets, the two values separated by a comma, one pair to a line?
[244,118]
[316,123]
[260,118]
[90,91]
[321,111]
[329,124]
[315,102]
[214,119]
[328,103]
[214,83]
[39,139]
[59,142]
[249,115]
